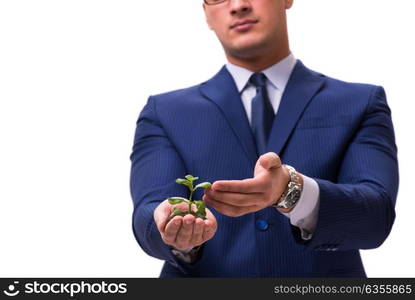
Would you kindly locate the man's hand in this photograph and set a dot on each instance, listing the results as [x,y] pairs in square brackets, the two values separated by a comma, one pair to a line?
[183,232]
[236,198]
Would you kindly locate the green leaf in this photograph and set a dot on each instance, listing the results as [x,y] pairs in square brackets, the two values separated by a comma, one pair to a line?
[176,200]
[204,185]
[201,208]
[199,203]
[191,178]
[181,180]
[177,212]
[188,183]
[200,215]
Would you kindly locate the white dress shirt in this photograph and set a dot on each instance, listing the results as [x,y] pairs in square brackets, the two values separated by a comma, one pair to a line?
[305,214]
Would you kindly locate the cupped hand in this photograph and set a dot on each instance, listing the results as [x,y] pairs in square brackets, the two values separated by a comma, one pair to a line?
[183,232]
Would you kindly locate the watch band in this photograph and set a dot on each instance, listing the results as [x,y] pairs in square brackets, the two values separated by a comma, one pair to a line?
[292,193]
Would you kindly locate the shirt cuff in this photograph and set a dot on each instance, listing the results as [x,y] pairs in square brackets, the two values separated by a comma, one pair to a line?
[188,256]
[305,214]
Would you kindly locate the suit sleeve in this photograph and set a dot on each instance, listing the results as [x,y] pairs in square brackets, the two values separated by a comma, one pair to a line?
[155,167]
[358,210]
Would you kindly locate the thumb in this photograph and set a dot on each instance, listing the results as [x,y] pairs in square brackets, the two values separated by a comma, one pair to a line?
[270,160]
[161,213]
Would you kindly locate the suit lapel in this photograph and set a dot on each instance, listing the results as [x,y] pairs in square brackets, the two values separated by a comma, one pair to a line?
[301,87]
[221,89]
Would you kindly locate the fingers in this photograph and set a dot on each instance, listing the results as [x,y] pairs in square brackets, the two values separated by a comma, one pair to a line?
[248,185]
[161,214]
[265,162]
[198,229]
[209,230]
[164,211]
[230,210]
[172,228]
[231,198]
[185,233]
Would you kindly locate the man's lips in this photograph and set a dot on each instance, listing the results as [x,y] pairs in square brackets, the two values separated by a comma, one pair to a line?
[243,24]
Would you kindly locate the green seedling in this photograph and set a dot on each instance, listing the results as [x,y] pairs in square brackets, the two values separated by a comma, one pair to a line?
[200,205]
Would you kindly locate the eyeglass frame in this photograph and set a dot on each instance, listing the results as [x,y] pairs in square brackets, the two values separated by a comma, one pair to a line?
[219,2]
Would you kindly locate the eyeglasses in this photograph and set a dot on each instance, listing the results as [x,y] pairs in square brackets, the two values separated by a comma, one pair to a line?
[214,2]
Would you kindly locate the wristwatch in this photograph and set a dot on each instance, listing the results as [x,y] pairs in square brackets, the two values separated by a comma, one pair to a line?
[292,193]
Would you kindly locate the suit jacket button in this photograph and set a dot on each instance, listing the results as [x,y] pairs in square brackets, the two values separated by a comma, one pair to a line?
[262,225]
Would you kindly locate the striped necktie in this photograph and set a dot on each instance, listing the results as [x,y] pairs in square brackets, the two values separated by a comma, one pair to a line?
[262,113]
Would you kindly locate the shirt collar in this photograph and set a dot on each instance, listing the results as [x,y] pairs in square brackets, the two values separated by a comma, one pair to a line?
[278,74]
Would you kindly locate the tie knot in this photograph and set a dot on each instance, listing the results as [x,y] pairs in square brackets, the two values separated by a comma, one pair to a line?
[258,79]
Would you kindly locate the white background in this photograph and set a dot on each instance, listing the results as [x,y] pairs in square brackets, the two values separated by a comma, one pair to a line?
[74,76]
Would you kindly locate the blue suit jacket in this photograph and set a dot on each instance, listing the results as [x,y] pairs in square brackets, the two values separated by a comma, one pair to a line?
[338,133]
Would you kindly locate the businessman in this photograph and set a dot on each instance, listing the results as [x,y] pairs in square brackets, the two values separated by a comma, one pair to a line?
[304,166]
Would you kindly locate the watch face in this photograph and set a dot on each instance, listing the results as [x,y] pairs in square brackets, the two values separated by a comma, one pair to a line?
[293,196]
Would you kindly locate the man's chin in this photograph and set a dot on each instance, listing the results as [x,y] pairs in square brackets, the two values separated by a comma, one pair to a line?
[246,50]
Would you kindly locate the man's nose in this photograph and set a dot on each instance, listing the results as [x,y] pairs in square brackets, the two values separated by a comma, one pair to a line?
[240,7]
